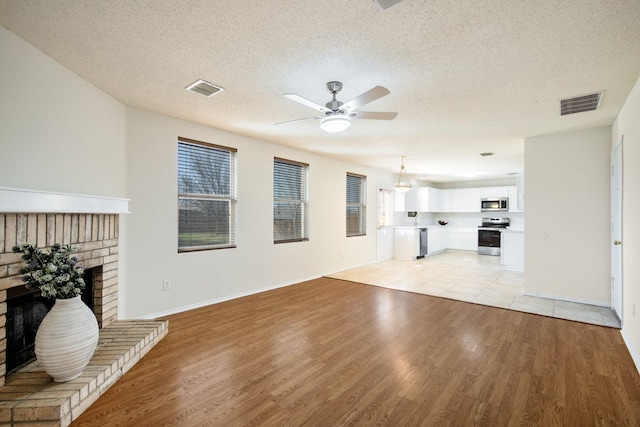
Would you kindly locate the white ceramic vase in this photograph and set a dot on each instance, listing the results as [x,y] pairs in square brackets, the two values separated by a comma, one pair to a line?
[66,339]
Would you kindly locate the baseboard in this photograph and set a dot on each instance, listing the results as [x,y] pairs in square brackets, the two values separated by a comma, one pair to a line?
[632,351]
[567,299]
[205,303]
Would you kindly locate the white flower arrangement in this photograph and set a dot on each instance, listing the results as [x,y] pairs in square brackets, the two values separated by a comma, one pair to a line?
[53,273]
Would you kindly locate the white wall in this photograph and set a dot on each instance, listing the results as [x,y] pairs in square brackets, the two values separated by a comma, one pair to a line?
[57,131]
[256,263]
[60,133]
[628,124]
[567,215]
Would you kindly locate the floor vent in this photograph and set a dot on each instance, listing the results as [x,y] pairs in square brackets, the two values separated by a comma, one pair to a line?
[204,88]
[385,4]
[581,103]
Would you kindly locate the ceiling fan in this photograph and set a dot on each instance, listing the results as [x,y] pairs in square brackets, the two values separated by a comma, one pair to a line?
[336,115]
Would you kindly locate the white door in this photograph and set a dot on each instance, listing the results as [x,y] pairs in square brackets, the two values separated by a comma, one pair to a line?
[616,229]
[385,222]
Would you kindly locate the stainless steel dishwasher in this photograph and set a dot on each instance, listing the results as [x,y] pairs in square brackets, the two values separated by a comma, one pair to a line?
[423,243]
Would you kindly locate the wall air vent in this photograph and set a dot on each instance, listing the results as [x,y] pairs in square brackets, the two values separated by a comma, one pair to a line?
[385,4]
[204,88]
[578,104]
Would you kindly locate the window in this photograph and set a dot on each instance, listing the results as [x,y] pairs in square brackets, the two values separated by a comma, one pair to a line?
[206,196]
[356,205]
[290,201]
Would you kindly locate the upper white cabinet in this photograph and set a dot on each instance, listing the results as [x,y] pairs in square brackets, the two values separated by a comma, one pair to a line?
[429,199]
[514,205]
[411,200]
[445,201]
[489,192]
[520,185]
[465,200]
[422,199]
[398,201]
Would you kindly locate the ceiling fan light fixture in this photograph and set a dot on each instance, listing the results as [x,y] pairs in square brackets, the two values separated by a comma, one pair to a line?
[404,183]
[335,123]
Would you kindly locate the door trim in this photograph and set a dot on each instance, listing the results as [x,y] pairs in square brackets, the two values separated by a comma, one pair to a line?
[617,249]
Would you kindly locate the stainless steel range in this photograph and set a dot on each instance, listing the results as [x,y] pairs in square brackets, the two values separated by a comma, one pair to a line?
[489,235]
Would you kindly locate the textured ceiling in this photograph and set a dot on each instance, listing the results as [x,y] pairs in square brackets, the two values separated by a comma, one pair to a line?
[465,77]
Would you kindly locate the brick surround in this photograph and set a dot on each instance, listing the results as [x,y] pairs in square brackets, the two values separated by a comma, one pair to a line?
[94,238]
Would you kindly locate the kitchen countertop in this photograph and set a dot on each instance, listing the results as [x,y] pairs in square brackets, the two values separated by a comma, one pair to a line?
[513,230]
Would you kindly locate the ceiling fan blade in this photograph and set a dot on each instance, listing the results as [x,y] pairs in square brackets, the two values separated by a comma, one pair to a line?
[305,101]
[375,115]
[297,120]
[367,97]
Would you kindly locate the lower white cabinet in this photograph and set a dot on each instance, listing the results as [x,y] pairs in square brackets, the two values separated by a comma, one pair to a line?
[406,243]
[406,240]
[463,238]
[437,240]
[512,250]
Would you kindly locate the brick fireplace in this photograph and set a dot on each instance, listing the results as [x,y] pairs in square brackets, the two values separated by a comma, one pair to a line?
[94,238]
[90,224]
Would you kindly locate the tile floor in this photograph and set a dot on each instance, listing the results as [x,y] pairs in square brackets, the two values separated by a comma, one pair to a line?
[480,279]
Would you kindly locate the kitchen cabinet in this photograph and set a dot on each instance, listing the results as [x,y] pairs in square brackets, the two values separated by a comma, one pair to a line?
[411,200]
[465,200]
[490,192]
[406,243]
[512,250]
[445,201]
[429,199]
[398,201]
[438,239]
[420,199]
[465,238]
[513,199]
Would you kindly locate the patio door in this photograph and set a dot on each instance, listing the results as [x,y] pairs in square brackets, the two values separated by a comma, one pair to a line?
[385,222]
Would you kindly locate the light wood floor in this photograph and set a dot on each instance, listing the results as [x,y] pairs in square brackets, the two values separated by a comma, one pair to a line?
[328,352]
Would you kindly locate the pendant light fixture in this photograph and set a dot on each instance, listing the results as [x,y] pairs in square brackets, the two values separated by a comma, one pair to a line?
[404,184]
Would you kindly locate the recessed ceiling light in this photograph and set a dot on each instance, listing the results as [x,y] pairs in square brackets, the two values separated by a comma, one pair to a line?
[204,88]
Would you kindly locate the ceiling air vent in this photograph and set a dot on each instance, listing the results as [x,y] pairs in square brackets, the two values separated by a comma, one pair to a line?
[487,154]
[385,4]
[204,88]
[581,103]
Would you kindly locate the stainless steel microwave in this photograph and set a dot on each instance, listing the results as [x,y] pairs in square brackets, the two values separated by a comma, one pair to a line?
[494,204]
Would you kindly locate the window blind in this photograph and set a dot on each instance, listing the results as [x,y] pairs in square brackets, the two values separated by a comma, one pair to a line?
[206,196]
[356,205]
[290,201]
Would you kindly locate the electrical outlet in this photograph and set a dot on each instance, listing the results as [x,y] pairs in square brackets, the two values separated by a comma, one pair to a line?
[166,284]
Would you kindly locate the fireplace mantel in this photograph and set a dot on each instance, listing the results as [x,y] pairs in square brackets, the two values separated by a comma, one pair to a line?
[36,201]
